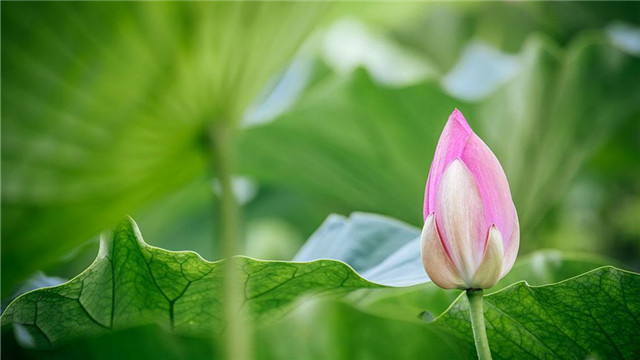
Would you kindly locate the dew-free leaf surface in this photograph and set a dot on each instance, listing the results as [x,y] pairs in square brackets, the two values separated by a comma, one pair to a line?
[133,287]
[593,315]
[132,284]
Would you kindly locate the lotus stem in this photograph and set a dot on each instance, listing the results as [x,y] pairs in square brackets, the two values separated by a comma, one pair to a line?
[477,323]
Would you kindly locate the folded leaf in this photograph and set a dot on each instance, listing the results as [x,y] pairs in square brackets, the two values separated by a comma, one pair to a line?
[381,249]
[386,251]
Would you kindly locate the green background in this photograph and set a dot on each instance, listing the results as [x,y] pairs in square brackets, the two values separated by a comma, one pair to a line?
[108,110]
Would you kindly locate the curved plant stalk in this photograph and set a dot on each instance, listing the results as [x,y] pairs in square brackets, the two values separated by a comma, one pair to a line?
[236,337]
[477,324]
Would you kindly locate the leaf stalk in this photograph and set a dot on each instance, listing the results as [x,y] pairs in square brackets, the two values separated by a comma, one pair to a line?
[236,336]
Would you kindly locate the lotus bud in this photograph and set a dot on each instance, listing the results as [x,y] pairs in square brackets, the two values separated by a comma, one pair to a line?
[471,234]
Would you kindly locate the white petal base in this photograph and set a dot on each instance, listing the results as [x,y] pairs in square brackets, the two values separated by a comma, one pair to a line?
[490,269]
[437,263]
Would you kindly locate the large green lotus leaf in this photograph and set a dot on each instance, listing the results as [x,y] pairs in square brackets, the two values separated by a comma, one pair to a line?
[594,315]
[131,283]
[108,106]
[366,147]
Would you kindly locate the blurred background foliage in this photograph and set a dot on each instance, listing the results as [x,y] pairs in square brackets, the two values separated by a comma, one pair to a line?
[108,109]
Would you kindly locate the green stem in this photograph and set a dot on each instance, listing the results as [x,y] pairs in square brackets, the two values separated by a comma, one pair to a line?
[477,324]
[236,335]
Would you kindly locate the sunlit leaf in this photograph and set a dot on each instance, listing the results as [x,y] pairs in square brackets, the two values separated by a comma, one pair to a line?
[108,106]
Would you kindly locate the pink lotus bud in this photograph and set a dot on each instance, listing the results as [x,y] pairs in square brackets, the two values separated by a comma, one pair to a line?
[471,234]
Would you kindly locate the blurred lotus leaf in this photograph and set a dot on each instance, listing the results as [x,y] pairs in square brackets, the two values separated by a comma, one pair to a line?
[366,147]
[107,106]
